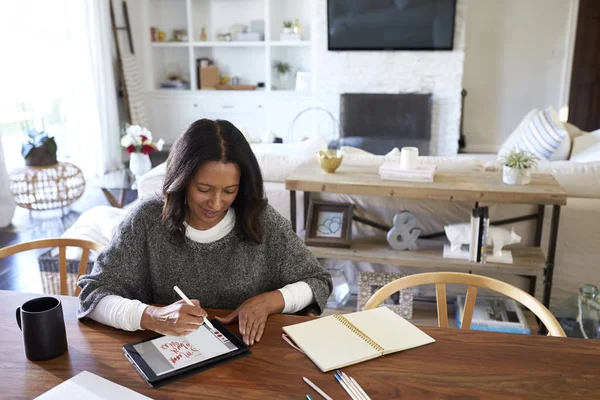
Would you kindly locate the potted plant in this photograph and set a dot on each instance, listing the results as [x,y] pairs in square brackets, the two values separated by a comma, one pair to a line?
[517,166]
[287,26]
[39,150]
[138,142]
[283,70]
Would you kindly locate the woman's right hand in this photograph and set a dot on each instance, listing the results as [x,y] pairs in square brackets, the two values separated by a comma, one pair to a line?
[177,319]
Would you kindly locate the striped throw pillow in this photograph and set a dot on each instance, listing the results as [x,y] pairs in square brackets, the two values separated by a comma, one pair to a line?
[543,134]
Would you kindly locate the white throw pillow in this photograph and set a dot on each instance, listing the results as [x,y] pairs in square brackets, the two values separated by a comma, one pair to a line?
[305,148]
[586,148]
[542,134]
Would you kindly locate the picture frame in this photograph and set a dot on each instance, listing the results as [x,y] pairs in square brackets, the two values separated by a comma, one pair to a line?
[329,224]
[400,302]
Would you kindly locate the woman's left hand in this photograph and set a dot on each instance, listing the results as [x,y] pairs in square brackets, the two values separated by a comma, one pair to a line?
[252,315]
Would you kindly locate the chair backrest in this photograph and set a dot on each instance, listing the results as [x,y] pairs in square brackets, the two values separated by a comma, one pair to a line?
[62,244]
[440,279]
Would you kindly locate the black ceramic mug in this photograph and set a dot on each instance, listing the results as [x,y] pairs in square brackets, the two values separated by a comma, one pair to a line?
[43,326]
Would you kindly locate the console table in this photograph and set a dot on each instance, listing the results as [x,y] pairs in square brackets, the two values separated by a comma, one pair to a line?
[485,187]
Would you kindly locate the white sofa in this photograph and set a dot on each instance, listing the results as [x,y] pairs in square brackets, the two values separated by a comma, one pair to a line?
[577,251]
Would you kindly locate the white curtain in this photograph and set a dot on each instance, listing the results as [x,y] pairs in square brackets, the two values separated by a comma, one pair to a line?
[60,52]
[93,123]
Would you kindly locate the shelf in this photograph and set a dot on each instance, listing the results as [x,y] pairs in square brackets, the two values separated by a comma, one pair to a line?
[170,44]
[233,43]
[291,43]
[526,260]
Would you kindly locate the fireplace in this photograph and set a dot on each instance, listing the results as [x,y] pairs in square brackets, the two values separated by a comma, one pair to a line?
[379,122]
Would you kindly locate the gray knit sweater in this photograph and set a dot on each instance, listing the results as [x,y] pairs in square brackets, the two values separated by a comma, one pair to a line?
[142,263]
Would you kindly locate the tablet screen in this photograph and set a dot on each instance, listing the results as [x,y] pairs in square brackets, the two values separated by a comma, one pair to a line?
[169,353]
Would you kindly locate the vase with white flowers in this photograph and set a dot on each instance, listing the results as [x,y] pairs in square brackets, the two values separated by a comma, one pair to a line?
[138,142]
[517,166]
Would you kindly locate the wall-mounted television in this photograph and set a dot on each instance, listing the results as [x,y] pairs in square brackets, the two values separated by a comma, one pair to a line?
[391,24]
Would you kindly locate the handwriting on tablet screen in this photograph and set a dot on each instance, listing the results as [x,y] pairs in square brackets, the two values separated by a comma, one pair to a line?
[178,351]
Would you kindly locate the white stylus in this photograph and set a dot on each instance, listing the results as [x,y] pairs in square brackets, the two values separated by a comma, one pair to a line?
[188,301]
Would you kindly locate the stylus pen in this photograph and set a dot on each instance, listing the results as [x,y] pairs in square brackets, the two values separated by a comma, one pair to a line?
[185,298]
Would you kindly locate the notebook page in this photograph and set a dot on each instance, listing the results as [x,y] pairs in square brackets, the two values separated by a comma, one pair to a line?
[389,330]
[330,344]
[86,385]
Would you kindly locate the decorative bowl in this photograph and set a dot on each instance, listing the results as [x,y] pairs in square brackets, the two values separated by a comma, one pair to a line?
[330,160]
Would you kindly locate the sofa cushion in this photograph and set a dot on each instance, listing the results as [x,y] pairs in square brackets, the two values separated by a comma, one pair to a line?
[586,148]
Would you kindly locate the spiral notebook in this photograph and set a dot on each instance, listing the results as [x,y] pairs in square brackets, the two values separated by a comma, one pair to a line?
[340,340]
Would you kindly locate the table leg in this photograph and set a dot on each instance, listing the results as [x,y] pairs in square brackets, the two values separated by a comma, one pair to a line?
[539,225]
[306,204]
[550,260]
[293,209]
[532,283]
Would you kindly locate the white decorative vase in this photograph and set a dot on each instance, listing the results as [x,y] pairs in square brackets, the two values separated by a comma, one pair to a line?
[139,164]
[513,176]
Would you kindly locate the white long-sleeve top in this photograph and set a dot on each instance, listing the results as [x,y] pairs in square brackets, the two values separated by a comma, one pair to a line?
[126,314]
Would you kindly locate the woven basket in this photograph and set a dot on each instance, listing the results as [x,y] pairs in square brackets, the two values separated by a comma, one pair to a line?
[47,188]
[50,273]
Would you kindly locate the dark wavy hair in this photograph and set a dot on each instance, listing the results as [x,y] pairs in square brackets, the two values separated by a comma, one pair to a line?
[207,140]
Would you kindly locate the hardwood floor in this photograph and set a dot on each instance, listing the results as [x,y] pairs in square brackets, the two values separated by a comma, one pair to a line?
[21,271]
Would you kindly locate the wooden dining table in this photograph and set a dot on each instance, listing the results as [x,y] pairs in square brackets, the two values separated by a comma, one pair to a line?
[459,365]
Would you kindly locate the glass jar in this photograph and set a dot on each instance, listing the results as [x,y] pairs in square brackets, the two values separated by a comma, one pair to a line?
[579,315]
[341,290]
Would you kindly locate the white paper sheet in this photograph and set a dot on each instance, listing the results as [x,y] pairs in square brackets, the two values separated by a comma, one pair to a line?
[86,385]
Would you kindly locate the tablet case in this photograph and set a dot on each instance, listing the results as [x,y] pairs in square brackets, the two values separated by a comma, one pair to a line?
[174,376]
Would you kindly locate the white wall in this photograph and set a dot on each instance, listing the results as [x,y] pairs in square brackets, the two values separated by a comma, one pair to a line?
[517,58]
[439,73]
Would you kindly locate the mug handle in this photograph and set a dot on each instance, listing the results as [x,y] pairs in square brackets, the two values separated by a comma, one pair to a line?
[19,317]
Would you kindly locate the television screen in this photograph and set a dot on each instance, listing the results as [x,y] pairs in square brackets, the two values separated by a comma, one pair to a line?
[391,24]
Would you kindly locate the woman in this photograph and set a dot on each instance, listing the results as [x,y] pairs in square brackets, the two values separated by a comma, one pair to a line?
[213,235]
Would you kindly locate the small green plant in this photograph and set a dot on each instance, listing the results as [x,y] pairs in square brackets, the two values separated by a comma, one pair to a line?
[281,67]
[288,24]
[519,159]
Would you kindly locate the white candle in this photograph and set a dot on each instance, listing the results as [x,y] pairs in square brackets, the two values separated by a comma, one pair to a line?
[409,157]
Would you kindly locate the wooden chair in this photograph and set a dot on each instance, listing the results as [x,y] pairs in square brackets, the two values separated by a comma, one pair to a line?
[62,244]
[440,279]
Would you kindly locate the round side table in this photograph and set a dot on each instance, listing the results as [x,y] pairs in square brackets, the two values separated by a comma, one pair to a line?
[47,188]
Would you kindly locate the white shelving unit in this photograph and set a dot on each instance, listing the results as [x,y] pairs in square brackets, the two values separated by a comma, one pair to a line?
[170,111]
[251,61]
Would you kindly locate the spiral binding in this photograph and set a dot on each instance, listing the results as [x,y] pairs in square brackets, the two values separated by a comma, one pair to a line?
[357,331]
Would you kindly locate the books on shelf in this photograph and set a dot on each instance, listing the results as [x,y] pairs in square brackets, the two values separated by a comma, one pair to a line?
[495,314]
[421,173]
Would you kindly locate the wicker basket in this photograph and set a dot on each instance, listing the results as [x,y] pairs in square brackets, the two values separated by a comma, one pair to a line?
[47,188]
[50,273]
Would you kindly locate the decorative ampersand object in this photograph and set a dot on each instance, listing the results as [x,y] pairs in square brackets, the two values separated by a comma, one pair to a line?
[404,227]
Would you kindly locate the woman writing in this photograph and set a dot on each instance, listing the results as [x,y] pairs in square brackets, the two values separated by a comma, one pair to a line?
[213,235]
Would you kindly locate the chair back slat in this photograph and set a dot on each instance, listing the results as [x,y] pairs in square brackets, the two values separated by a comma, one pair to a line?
[469,307]
[62,267]
[62,244]
[442,310]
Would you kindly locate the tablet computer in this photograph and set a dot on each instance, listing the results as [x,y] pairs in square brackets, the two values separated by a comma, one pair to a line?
[164,359]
